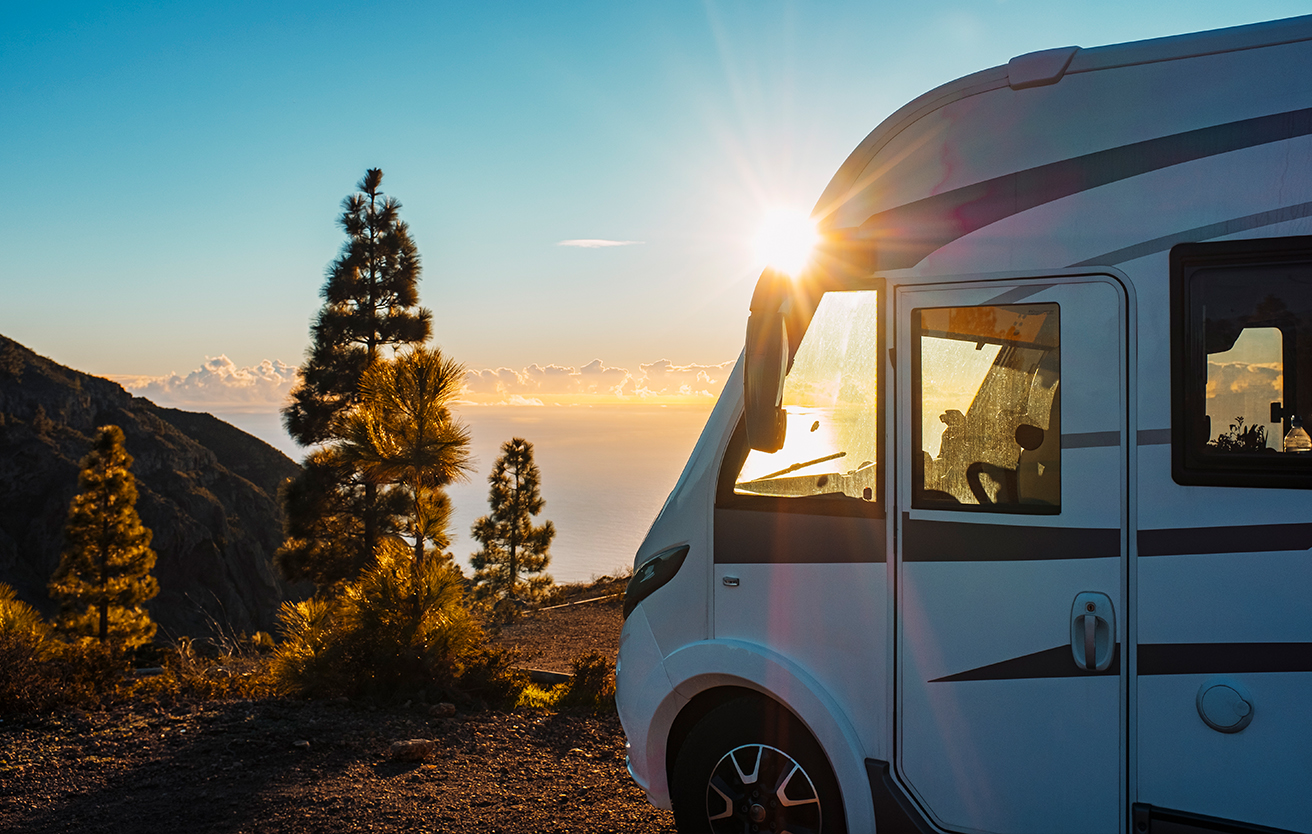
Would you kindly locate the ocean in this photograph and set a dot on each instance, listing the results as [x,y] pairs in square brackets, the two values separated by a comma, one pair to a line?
[606,471]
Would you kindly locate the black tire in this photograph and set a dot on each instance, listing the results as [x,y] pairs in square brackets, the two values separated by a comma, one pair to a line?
[750,766]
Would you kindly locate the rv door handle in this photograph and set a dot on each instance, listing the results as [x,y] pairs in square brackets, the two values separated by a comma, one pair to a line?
[1093,631]
[1090,642]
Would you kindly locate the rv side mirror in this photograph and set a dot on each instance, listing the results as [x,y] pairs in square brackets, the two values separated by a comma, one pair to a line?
[763,380]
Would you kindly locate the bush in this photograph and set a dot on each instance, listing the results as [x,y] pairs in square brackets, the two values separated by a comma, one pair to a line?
[592,689]
[190,675]
[486,675]
[399,631]
[22,622]
[303,663]
[535,697]
[38,673]
[36,678]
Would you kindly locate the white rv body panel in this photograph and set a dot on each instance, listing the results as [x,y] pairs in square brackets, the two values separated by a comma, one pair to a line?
[929,636]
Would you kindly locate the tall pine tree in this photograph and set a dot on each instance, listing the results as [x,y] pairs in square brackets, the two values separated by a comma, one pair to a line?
[103,579]
[370,303]
[512,545]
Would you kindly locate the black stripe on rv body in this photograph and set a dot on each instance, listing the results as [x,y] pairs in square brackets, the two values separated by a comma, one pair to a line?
[744,537]
[1211,231]
[1250,538]
[1058,662]
[905,235]
[953,541]
[751,537]
[1223,658]
[1153,659]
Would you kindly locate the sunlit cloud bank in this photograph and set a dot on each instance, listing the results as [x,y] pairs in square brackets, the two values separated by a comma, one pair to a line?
[595,243]
[218,384]
[596,383]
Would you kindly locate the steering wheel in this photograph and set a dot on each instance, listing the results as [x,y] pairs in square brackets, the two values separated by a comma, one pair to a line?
[1005,477]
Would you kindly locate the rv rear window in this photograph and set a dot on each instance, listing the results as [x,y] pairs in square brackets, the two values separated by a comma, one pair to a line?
[1242,362]
[986,408]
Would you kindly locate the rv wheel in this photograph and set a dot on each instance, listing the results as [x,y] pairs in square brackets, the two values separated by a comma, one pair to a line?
[752,766]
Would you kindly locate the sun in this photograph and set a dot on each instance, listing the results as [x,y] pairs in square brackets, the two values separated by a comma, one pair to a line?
[786,239]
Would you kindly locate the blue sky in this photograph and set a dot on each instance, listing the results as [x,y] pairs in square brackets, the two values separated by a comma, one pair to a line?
[175,170]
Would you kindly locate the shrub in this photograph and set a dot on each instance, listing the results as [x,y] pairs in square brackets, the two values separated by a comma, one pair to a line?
[404,625]
[303,663]
[536,697]
[400,630]
[487,675]
[190,675]
[22,622]
[58,675]
[592,689]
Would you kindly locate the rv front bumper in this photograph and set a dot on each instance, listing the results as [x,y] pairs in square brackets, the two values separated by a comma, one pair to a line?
[642,687]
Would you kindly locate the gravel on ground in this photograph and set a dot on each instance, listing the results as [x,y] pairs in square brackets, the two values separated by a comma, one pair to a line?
[280,765]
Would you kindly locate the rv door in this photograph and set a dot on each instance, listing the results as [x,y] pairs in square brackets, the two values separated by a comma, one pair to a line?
[1011,422]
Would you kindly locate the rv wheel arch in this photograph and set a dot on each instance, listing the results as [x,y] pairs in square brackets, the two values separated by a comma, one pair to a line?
[739,670]
[760,764]
[693,712]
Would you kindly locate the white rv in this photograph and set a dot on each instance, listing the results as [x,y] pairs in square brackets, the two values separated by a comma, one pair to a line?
[1002,523]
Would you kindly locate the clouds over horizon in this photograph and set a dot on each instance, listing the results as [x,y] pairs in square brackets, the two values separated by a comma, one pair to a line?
[596,382]
[219,385]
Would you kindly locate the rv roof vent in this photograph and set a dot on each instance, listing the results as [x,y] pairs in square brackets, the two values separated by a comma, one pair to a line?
[1039,69]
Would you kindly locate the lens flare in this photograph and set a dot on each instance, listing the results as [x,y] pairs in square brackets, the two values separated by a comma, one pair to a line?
[786,240]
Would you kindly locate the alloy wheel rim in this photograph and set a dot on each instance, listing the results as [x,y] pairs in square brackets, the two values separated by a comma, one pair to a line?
[759,788]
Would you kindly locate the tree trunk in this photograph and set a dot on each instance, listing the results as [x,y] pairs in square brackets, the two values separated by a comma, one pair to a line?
[419,531]
[370,522]
[104,555]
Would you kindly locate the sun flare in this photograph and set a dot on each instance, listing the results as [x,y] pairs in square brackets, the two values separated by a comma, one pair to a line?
[786,239]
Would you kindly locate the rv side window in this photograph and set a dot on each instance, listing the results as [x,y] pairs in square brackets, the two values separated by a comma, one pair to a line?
[830,399]
[1242,316]
[986,421]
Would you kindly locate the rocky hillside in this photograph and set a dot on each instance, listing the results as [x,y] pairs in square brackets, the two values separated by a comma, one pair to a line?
[207,490]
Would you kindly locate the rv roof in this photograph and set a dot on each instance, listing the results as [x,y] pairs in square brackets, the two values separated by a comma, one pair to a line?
[1056,64]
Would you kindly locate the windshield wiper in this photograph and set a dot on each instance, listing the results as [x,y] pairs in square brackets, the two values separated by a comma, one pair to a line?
[802,465]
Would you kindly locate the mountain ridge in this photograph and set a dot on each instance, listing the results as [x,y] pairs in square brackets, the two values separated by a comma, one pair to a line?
[206,489]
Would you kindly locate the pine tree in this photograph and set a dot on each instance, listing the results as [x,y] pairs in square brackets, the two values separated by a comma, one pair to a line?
[370,303]
[512,545]
[103,578]
[324,507]
[403,434]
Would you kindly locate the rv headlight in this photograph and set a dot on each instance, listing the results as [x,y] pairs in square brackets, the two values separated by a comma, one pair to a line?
[786,241]
[652,574]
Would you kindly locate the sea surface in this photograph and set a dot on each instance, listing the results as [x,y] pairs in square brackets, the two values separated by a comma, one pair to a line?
[606,471]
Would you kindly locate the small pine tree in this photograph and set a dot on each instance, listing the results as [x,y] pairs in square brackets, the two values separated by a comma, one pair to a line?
[103,578]
[512,545]
[403,433]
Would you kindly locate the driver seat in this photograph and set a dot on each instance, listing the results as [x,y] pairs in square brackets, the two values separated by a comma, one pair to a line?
[1038,470]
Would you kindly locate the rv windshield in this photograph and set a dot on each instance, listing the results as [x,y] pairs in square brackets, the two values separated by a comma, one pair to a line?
[830,401]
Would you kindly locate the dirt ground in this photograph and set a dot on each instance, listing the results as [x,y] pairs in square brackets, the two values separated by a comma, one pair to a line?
[576,621]
[314,766]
